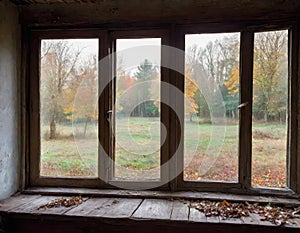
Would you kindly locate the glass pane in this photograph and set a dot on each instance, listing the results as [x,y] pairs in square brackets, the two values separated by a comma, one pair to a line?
[69,112]
[211,107]
[270,105]
[137,109]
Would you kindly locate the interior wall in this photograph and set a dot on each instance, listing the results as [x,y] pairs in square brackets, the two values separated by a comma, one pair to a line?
[9,101]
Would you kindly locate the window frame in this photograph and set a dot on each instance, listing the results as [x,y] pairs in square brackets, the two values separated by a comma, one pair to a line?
[161,184]
[35,179]
[245,117]
[202,185]
[174,36]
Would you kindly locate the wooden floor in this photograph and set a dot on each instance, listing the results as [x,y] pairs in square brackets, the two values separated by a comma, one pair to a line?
[21,213]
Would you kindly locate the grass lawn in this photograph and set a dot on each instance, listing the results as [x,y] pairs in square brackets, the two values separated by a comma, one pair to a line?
[137,151]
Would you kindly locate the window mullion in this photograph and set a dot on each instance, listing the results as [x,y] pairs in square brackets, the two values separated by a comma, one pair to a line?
[293,176]
[246,92]
[177,116]
[103,100]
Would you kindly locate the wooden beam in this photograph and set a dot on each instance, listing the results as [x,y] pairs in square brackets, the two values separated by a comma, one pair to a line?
[119,11]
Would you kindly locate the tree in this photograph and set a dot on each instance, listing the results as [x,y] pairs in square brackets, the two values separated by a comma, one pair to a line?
[58,63]
[81,95]
[218,59]
[270,74]
[145,72]
[126,96]
[231,92]
[191,106]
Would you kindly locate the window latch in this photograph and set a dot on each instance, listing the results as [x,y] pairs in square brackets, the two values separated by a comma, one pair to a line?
[108,115]
[243,105]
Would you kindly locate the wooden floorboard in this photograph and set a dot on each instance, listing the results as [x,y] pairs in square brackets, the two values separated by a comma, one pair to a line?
[250,220]
[213,219]
[124,208]
[33,205]
[231,220]
[154,209]
[86,207]
[180,210]
[16,201]
[102,207]
[197,216]
[54,211]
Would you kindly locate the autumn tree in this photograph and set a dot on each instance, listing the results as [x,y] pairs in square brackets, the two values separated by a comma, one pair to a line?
[270,74]
[190,89]
[58,66]
[231,92]
[126,96]
[81,95]
[218,59]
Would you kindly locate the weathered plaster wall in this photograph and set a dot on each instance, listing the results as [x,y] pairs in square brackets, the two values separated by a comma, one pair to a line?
[9,101]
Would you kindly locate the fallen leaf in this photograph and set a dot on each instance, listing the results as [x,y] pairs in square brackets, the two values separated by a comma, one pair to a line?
[65,202]
[225,209]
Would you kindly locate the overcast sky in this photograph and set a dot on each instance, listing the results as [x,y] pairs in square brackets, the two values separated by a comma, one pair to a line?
[135,51]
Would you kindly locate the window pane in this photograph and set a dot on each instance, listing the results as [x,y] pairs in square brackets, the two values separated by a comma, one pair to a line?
[270,98]
[69,115]
[137,109]
[211,107]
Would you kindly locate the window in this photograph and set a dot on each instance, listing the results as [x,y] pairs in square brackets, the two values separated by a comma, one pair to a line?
[68,81]
[211,107]
[216,111]
[137,109]
[270,109]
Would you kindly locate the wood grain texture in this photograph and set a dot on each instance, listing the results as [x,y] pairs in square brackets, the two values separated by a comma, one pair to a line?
[190,195]
[232,220]
[102,207]
[86,207]
[197,216]
[123,215]
[33,205]
[124,208]
[180,210]
[154,209]
[16,201]
[119,11]
[245,114]
[26,2]
[250,220]
[213,219]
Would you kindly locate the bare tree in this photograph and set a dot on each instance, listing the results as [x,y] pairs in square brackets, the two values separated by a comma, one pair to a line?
[58,66]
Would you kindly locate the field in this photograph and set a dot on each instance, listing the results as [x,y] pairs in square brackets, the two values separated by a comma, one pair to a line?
[137,151]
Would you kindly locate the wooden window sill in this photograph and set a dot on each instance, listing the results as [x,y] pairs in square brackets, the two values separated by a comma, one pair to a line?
[21,213]
[190,195]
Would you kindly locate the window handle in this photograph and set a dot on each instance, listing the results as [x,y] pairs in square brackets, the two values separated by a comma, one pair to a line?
[108,115]
[243,105]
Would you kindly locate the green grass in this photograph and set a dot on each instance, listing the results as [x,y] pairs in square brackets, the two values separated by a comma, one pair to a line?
[137,151]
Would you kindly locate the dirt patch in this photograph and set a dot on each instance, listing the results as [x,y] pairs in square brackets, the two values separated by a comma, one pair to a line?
[256,134]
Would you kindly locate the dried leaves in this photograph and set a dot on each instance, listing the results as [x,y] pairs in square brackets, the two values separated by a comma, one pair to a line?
[275,215]
[62,201]
[225,209]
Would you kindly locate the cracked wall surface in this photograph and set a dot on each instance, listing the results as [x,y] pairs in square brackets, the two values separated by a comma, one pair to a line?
[9,101]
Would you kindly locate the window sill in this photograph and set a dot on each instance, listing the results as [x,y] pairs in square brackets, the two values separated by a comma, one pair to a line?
[22,214]
[190,195]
